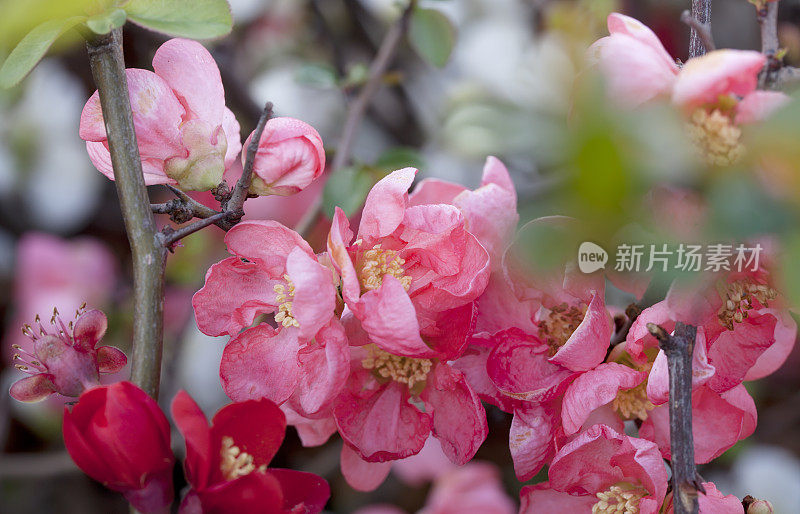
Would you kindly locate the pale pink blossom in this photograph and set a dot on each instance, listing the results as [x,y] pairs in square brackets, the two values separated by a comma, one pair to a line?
[290,156]
[186,135]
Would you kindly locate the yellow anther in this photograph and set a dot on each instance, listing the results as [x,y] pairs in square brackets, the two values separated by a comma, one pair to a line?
[618,500]
[716,137]
[284,296]
[737,301]
[557,327]
[235,463]
[377,263]
[405,370]
[633,403]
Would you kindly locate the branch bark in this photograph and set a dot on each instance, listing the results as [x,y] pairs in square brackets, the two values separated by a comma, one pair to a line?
[357,109]
[679,348]
[149,256]
[703,31]
[701,11]
[768,22]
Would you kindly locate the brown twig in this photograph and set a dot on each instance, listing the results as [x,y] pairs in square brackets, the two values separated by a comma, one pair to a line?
[357,109]
[703,31]
[149,256]
[631,313]
[701,11]
[678,348]
[170,236]
[768,22]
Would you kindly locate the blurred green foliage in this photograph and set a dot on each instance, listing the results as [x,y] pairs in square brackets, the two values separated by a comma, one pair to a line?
[432,35]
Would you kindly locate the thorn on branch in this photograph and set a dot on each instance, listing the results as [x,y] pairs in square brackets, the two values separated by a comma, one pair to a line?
[703,30]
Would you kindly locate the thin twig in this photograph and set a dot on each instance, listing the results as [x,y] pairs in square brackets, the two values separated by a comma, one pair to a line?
[703,30]
[149,256]
[701,11]
[357,109]
[678,348]
[768,21]
[200,210]
[169,238]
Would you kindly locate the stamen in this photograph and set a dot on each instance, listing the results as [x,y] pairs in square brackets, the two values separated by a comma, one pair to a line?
[235,463]
[716,137]
[738,299]
[376,263]
[284,297]
[405,370]
[618,500]
[559,325]
[633,403]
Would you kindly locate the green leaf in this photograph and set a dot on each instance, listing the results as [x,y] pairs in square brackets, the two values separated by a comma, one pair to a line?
[196,19]
[432,35]
[32,48]
[107,21]
[316,75]
[347,189]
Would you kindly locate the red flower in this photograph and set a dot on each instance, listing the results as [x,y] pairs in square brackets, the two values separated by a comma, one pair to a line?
[226,463]
[118,435]
[66,361]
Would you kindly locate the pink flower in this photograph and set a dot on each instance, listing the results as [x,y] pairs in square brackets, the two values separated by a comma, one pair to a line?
[610,467]
[407,264]
[274,271]
[542,498]
[53,272]
[290,156]
[65,361]
[118,436]
[476,487]
[226,463]
[186,135]
[713,502]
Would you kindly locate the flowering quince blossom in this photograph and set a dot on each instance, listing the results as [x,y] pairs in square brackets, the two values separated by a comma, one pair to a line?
[605,470]
[290,156]
[118,436]
[717,90]
[65,359]
[226,463]
[186,135]
[274,271]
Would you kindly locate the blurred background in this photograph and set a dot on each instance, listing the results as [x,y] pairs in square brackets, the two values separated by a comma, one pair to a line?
[508,89]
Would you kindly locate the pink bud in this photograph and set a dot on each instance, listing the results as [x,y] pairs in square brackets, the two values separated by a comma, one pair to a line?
[290,156]
[758,506]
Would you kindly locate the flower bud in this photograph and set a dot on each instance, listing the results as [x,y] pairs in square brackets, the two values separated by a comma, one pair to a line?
[118,436]
[757,506]
[290,156]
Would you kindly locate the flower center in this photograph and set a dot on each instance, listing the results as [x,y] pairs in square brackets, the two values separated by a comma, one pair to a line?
[405,370]
[618,499]
[376,263]
[235,463]
[28,362]
[284,297]
[559,325]
[716,137]
[737,300]
[633,403]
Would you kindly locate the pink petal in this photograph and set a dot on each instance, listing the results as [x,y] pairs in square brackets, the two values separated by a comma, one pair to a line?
[385,206]
[261,363]
[267,242]
[541,498]
[588,345]
[759,105]
[191,72]
[473,364]
[774,356]
[500,309]
[704,79]
[518,366]
[314,295]
[459,420]
[324,367]
[89,329]
[531,437]
[231,128]
[110,359]
[153,169]
[736,351]
[383,426]
[234,294]
[714,502]
[339,238]
[621,24]
[426,466]
[193,426]
[360,474]
[432,191]
[451,330]
[390,320]
[34,388]
[475,487]
[639,338]
[312,431]
[594,389]
[302,492]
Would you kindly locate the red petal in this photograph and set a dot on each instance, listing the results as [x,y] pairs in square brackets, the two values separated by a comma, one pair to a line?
[192,424]
[110,359]
[34,388]
[89,329]
[306,492]
[257,427]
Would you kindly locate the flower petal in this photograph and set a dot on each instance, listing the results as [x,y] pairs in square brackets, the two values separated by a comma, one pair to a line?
[385,206]
[267,242]
[314,296]
[588,344]
[530,438]
[193,426]
[324,367]
[89,329]
[704,79]
[110,359]
[362,475]
[34,388]
[302,492]
[257,427]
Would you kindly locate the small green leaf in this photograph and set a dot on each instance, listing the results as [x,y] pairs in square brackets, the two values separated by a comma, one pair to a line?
[316,75]
[107,21]
[398,158]
[196,19]
[432,35]
[347,189]
[32,48]
[357,75]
